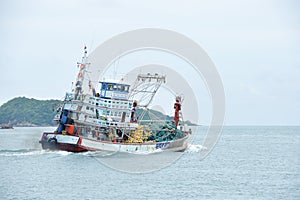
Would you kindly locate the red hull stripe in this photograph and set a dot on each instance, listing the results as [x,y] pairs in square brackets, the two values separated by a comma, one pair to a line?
[70,147]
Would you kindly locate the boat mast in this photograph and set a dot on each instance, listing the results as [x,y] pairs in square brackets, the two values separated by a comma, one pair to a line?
[80,77]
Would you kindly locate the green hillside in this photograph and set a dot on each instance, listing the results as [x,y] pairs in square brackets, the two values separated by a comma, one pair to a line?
[29,112]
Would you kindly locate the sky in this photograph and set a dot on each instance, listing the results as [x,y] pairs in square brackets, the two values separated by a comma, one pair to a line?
[254,44]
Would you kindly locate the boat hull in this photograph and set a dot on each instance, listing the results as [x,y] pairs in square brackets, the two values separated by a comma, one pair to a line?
[55,141]
[62,146]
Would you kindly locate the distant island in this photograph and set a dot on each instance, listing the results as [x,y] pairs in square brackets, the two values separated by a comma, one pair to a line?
[22,111]
[29,112]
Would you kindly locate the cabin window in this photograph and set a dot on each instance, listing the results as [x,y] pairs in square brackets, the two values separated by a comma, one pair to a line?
[126,88]
[119,87]
[103,86]
[115,87]
[110,87]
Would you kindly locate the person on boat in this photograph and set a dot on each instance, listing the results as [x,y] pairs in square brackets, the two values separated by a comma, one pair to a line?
[112,134]
[133,111]
[177,107]
[97,114]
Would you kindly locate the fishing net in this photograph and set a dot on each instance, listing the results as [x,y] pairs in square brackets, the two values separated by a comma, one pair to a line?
[164,133]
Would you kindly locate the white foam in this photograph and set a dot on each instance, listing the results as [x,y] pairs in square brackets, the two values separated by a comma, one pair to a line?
[33,152]
[98,153]
[139,152]
[25,153]
[195,148]
[63,153]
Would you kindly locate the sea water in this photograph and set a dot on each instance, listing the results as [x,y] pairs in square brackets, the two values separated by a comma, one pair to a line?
[247,163]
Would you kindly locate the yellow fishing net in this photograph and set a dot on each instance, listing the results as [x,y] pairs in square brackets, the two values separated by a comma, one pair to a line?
[140,135]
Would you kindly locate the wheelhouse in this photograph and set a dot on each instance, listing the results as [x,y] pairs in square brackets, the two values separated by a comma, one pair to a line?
[112,90]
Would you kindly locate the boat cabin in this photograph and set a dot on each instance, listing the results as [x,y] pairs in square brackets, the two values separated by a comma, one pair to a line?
[111,90]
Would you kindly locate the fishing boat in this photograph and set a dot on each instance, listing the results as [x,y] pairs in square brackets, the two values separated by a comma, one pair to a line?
[111,119]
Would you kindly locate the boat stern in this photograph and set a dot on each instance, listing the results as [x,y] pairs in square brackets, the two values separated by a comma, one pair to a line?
[57,141]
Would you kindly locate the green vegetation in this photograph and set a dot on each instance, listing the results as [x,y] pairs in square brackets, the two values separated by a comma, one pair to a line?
[22,111]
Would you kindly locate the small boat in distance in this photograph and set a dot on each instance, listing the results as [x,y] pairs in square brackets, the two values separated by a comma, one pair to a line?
[111,119]
[6,126]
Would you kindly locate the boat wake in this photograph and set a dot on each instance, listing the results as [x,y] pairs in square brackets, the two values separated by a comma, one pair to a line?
[145,152]
[195,148]
[97,153]
[106,153]
[192,148]
[30,152]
